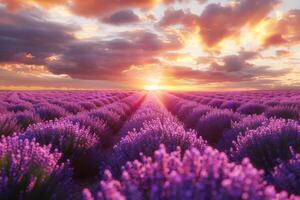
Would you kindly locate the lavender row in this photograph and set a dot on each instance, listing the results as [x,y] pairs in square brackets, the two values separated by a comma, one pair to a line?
[22,101]
[149,127]
[32,114]
[266,142]
[42,162]
[278,106]
[269,98]
[82,138]
[210,123]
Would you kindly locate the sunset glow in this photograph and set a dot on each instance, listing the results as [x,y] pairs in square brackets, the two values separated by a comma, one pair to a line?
[152,87]
[188,45]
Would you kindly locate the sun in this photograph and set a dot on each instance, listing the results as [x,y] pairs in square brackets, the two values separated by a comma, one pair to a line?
[152,87]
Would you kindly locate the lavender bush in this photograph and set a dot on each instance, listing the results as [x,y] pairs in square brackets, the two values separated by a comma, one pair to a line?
[74,143]
[50,112]
[284,112]
[96,126]
[268,144]
[148,139]
[197,175]
[230,105]
[286,176]
[251,108]
[250,122]
[8,125]
[30,171]
[213,124]
[193,117]
[20,107]
[24,119]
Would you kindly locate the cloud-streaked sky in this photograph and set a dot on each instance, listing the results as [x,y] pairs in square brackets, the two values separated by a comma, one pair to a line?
[134,44]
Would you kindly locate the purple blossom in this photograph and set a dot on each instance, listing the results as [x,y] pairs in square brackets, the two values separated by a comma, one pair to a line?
[193,117]
[74,143]
[286,176]
[285,112]
[239,128]
[30,171]
[88,105]
[251,108]
[26,118]
[149,110]
[216,103]
[268,144]
[212,125]
[3,109]
[95,126]
[230,105]
[148,139]
[20,107]
[50,112]
[8,125]
[73,108]
[195,175]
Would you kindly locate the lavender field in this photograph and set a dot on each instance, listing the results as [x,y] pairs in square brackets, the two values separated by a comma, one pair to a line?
[117,145]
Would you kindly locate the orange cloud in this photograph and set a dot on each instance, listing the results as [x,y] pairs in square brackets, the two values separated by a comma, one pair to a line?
[219,22]
[285,31]
[89,8]
[17,4]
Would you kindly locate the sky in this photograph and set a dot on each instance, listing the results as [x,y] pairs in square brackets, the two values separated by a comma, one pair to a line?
[150,44]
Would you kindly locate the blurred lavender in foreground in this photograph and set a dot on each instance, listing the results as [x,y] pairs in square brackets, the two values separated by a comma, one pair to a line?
[195,175]
[30,171]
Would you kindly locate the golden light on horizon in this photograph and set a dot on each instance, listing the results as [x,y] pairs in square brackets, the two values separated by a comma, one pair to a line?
[152,87]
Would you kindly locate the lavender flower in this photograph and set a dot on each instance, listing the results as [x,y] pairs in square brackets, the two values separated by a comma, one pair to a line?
[250,122]
[213,124]
[197,175]
[50,112]
[110,117]
[73,108]
[148,139]
[268,144]
[96,126]
[251,108]
[216,103]
[3,109]
[193,117]
[230,105]
[284,112]
[87,105]
[286,176]
[30,171]
[24,119]
[8,125]
[20,107]
[74,143]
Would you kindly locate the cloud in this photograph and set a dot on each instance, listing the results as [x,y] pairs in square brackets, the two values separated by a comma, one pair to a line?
[106,60]
[89,8]
[122,17]
[29,40]
[17,4]
[93,8]
[283,53]
[230,69]
[218,22]
[174,17]
[285,31]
